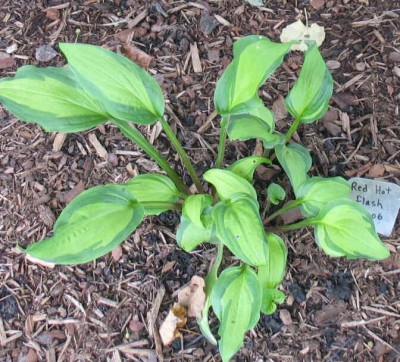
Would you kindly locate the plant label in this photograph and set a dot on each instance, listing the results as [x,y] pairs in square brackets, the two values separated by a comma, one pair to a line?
[381,199]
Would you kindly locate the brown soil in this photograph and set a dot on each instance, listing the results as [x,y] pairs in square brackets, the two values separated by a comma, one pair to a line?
[336,310]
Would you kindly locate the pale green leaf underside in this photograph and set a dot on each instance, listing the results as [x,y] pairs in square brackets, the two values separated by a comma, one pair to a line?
[189,235]
[51,98]
[309,98]
[228,183]
[246,166]
[271,297]
[271,274]
[275,193]
[236,299]
[296,161]
[194,207]
[315,192]
[345,228]
[239,227]
[93,224]
[155,192]
[125,90]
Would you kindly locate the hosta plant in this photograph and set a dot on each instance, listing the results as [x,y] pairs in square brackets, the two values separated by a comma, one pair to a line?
[98,86]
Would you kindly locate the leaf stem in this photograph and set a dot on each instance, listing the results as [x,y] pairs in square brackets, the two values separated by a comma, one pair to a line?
[300,224]
[135,136]
[213,273]
[210,281]
[182,154]
[283,209]
[292,130]
[222,142]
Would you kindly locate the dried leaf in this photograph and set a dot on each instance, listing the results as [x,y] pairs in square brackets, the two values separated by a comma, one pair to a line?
[6,61]
[317,4]
[59,141]
[137,55]
[117,253]
[175,319]
[52,14]
[279,109]
[100,150]
[168,266]
[193,297]
[68,196]
[377,170]
[298,31]
[135,325]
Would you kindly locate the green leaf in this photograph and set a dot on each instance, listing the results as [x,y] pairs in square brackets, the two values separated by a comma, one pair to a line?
[194,207]
[51,98]
[271,297]
[296,161]
[189,235]
[275,193]
[196,222]
[157,193]
[125,90]
[315,192]
[228,183]
[94,223]
[255,59]
[345,228]
[239,227]
[245,167]
[309,98]
[245,127]
[271,274]
[236,299]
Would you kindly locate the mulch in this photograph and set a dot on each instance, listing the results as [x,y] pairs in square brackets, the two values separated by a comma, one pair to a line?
[336,310]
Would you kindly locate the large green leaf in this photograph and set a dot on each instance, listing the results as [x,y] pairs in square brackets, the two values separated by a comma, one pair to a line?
[126,91]
[255,59]
[94,223]
[157,193]
[228,183]
[245,167]
[52,98]
[271,274]
[345,228]
[309,98]
[236,300]
[239,227]
[315,192]
[196,222]
[296,161]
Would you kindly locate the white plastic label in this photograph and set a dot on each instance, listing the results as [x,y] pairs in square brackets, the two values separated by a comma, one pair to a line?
[381,199]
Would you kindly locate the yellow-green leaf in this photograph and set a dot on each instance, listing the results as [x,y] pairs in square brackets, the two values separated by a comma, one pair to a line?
[239,227]
[236,300]
[94,223]
[345,228]
[157,193]
[309,98]
[52,98]
[126,91]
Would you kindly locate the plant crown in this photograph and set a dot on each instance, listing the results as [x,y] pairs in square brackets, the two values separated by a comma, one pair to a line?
[98,86]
